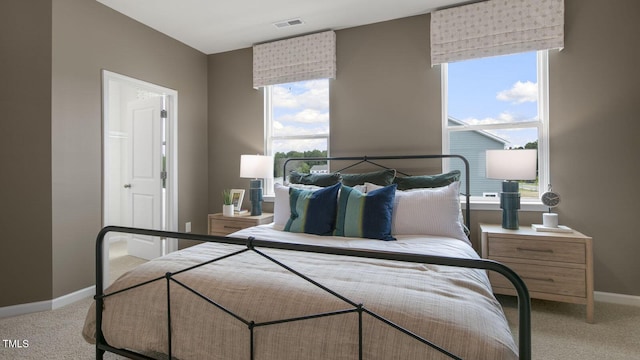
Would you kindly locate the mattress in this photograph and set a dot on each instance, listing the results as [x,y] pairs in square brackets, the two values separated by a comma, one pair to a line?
[452,307]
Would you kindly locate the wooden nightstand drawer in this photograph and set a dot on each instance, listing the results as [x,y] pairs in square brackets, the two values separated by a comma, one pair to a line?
[545,279]
[555,266]
[225,225]
[228,226]
[537,250]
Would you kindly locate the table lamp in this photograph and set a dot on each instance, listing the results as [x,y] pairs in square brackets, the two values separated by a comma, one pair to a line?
[510,165]
[256,167]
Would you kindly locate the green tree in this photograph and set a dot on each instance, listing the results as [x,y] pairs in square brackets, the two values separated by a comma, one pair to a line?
[303,166]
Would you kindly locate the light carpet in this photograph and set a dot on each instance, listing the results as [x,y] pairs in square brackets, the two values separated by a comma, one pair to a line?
[559,330]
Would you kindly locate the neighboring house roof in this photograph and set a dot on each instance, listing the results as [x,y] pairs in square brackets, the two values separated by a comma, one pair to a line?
[481,132]
[319,169]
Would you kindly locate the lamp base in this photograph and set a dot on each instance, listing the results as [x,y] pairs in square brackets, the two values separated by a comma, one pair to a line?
[510,203]
[255,195]
[256,208]
[510,219]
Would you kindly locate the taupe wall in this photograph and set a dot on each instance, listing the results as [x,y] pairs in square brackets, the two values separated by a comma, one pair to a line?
[25,151]
[386,99]
[89,37]
[236,122]
[52,148]
[595,128]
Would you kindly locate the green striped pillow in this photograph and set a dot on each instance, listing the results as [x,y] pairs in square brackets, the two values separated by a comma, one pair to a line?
[365,215]
[313,211]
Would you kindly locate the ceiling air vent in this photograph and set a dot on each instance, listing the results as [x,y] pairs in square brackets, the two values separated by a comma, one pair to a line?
[287,23]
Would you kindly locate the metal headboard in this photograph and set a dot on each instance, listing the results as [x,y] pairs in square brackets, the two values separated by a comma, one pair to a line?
[371,160]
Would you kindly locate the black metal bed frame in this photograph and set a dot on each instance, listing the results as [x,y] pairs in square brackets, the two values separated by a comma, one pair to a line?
[252,244]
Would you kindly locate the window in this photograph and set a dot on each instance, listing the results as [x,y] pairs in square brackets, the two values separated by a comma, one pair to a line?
[496,103]
[297,125]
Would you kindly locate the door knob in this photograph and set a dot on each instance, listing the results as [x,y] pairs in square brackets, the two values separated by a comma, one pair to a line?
[127,186]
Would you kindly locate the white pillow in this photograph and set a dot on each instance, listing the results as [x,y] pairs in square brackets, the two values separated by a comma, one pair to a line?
[370,187]
[432,211]
[281,205]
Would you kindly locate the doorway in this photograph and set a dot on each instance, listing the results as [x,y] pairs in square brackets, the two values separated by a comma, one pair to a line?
[139,163]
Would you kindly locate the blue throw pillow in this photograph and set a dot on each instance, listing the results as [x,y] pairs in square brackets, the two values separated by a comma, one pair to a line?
[313,212]
[365,215]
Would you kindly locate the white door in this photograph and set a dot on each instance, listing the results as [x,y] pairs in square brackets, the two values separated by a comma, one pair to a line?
[143,190]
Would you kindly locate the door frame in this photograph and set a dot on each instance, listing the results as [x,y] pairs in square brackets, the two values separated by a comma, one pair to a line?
[171,151]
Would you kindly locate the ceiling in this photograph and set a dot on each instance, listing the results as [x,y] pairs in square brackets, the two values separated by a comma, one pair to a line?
[214,26]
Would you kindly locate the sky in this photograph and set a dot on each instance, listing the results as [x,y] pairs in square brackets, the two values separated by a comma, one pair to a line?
[496,90]
[299,109]
[482,91]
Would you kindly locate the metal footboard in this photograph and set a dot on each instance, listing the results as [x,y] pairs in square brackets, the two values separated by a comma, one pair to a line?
[524,304]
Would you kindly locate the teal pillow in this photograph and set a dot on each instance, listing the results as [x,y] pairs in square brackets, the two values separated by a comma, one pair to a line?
[313,212]
[365,215]
[314,179]
[427,181]
[383,178]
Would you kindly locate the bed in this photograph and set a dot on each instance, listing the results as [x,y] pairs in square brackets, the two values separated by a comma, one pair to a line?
[290,290]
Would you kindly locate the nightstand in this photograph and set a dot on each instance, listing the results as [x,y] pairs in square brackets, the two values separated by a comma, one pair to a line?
[225,225]
[555,266]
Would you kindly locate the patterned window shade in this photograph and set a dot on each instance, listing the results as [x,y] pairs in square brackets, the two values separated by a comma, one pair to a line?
[496,27]
[301,58]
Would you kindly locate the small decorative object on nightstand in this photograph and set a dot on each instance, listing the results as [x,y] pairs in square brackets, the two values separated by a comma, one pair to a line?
[237,195]
[223,225]
[550,220]
[555,266]
[227,203]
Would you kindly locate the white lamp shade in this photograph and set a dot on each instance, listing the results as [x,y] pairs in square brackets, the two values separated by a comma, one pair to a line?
[512,164]
[256,166]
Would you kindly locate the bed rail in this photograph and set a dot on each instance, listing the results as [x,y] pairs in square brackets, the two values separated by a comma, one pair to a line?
[524,303]
[372,160]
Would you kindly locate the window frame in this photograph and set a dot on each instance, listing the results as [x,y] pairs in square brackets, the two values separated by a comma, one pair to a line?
[482,203]
[269,138]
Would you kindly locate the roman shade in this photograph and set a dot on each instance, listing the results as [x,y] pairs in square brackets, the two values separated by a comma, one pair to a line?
[302,58]
[496,27]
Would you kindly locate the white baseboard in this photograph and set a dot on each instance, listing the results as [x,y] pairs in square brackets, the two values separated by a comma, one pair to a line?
[73,297]
[620,299]
[21,309]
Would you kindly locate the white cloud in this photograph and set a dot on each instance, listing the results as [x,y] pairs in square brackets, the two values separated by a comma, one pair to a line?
[520,92]
[289,130]
[314,95]
[306,116]
[502,118]
[277,125]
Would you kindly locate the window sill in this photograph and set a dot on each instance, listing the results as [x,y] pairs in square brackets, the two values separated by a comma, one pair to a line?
[494,204]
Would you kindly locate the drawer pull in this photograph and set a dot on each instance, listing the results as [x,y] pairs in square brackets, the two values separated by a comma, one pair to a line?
[232,227]
[539,279]
[536,250]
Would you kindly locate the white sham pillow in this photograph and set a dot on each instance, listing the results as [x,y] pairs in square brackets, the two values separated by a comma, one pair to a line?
[432,211]
[370,187]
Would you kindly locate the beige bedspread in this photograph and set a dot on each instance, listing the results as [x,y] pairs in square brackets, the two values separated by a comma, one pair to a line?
[452,307]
